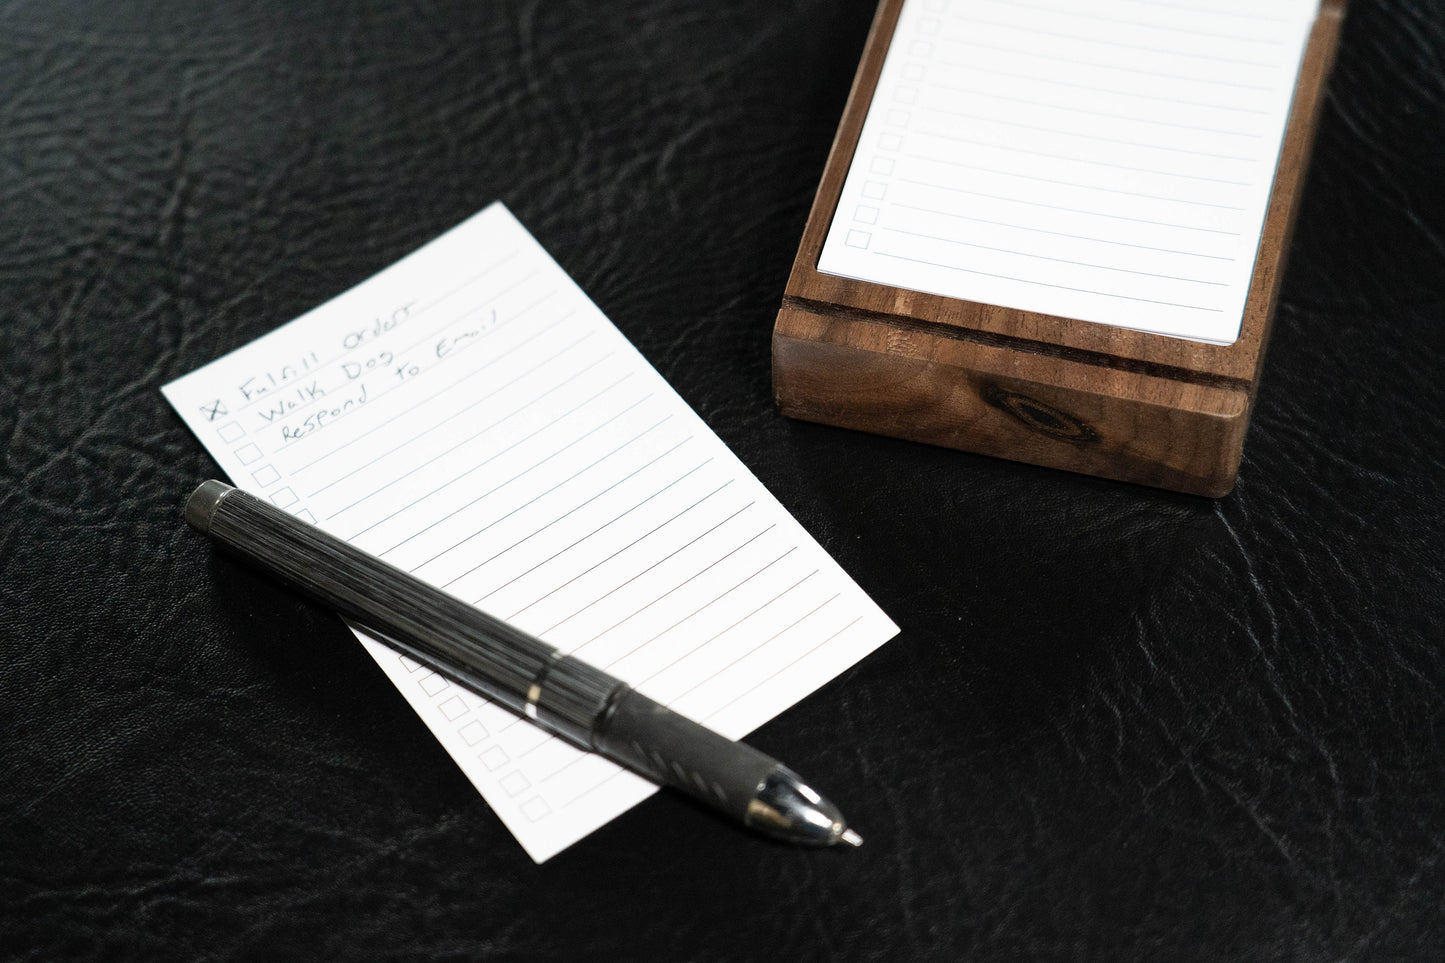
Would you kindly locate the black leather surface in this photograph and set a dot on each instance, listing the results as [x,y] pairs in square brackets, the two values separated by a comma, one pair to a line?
[1118,723]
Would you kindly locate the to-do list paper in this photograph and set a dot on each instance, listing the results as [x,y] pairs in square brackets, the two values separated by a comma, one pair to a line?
[1108,162]
[470,416]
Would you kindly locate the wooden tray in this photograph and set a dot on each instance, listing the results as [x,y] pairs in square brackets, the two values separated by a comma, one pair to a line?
[1047,390]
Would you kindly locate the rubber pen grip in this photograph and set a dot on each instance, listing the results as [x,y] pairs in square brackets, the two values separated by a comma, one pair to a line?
[671,749]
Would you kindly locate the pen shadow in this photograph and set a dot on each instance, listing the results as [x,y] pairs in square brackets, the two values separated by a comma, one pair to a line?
[325,694]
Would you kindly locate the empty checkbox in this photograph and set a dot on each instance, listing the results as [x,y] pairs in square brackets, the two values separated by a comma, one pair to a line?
[284,498]
[411,664]
[866,214]
[232,431]
[890,142]
[248,454]
[473,732]
[859,239]
[432,683]
[494,758]
[882,165]
[536,808]
[454,708]
[266,475]
[305,516]
[874,190]
[514,783]
[898,118]
[906,95]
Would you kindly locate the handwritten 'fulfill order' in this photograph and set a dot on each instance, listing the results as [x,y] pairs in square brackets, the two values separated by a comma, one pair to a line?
[471,417]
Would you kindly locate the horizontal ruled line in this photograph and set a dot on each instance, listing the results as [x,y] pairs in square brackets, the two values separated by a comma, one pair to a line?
[567,514]
[1114,91]
[706,568]
[692,541]
[781,670]
[994,95]
[1191,31]
[467,376]
[557,451]
[1000,48]
[1071,210]
[612,591]
[511,414]
[1034,31]
[1211,9]
[574,509]
[681,656]
[709,604]
[1043,284]
[1077,237]
[1057,260]
[1075,159]
[1071,133]
[1061,183]
[642,538]
[766,642]
[433,427]
[477,308]
[601,528]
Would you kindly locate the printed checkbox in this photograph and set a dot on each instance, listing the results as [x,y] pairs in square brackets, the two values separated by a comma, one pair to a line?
[890,142]
[913,72]
[906,95]
[536,809]
[921,49]
[266,475]
[881,165]
[411,664]
[875,190]
[494,758]
[284,498]
[515,783]
[930,26]
[859,239]
[432,683]
[247,454]
[866,214]
[898,118]
[454,708]
[305,516]
[231,431]
[473,732]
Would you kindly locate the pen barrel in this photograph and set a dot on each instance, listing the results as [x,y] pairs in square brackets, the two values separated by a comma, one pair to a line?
[443,632]
[570,698]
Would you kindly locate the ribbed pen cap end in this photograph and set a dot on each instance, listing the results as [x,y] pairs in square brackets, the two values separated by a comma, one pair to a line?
[202,504]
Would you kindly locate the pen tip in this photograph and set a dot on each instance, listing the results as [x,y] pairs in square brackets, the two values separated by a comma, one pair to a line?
[851,838]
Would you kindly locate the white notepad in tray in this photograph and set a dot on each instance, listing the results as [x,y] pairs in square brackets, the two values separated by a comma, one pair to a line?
[470,416]
[1108,162]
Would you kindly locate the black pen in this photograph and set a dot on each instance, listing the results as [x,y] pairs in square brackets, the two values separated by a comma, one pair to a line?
[569,698]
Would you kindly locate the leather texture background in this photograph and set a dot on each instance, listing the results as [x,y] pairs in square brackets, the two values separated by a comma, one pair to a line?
[1119,724]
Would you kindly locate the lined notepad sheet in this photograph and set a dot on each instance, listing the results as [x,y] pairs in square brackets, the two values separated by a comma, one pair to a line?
[470,416]
[1108,162]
